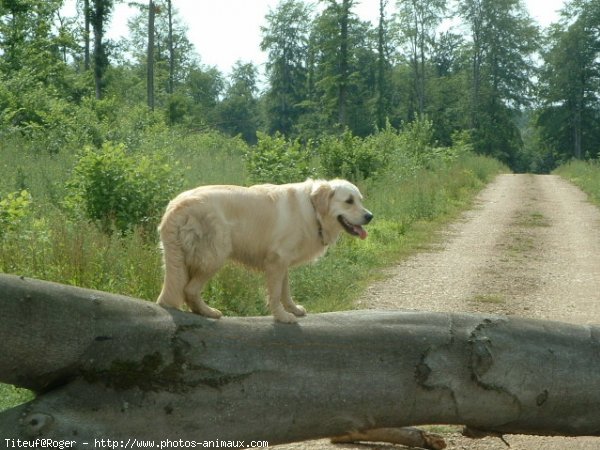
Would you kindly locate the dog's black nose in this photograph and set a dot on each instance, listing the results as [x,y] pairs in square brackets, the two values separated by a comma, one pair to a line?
[368,217]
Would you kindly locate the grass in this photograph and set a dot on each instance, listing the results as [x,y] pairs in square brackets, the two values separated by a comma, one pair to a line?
[585,175]
[489,298]
[409,207]
[533,219]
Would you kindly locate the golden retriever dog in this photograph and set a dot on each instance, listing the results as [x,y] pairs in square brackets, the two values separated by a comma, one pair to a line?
[266,227]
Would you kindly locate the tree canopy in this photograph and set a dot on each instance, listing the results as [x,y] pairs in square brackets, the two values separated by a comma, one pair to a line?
[526,96]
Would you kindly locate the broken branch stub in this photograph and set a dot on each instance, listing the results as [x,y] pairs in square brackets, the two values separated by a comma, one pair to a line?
[106,365]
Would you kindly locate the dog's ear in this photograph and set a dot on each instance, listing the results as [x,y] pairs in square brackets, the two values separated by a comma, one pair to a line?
[321,196]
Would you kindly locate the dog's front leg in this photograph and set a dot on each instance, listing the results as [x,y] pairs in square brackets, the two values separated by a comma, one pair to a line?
[288,302]
[276,276]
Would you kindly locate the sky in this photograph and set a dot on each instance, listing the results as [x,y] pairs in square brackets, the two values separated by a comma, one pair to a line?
[224,31]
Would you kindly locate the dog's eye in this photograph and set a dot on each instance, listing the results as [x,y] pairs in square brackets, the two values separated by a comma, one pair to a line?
[350,201]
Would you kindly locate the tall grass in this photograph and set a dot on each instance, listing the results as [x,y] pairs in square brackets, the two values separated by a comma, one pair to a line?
[585,174]
[54,246]
[43,174]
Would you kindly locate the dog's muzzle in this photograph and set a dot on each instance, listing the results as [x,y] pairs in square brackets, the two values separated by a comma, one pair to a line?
[356,229]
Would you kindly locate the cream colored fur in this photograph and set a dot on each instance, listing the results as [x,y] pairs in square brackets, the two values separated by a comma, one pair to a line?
[265,227]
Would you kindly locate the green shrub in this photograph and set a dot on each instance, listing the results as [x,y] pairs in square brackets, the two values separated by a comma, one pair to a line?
[349,156]
[410,149]
[14,207]
[120,191]
[277,160]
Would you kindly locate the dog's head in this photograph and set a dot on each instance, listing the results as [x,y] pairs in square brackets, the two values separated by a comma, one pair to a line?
[339,203]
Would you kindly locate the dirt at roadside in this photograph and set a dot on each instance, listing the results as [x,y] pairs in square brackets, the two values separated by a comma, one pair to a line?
[530,247]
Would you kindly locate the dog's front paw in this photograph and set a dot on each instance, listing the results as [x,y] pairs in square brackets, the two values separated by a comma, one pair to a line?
[298,311]
[213,313]
[284,317]
[203,309]
[294,308]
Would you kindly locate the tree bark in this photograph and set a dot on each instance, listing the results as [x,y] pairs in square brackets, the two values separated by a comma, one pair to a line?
[99,14]
[150,54]
[107,366]
[381,68]
[86,35]
[171,84]
[344,63]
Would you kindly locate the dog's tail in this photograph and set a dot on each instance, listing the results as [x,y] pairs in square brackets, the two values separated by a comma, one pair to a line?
[176,272]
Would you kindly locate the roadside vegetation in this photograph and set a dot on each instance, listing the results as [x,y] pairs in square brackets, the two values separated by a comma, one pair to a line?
[585,175]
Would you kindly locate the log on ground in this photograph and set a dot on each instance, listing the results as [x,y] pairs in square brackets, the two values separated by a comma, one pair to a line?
[107,366]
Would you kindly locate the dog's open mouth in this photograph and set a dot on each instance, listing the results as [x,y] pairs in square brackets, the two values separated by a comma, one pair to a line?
[354,230]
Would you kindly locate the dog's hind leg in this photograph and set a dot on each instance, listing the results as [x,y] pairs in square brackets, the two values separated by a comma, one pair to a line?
[176,277]
[193,299]
[287,301]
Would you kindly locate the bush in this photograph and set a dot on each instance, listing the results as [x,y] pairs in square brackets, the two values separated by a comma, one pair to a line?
[14,207]
[120,191]
[275,159]
[350,156]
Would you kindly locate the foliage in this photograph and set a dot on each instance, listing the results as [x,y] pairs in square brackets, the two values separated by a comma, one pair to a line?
[569,117]
[275,159]
[286,39]
[327,71]
[166,36]
[119,190]
[11,396]
[504,39]
[341,80]
[356,158]
[238,111]
[14,207]
[349,156]
[99,14]
[418,21]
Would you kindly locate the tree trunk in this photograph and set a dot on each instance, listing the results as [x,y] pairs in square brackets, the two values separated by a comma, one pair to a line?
[150,59]
[381,66]
[344,63]
[171,84]
[98,14]
[106,366]
[577,152]
[86,35]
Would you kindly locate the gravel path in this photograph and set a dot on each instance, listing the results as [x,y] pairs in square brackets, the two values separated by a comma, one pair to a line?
[530,247]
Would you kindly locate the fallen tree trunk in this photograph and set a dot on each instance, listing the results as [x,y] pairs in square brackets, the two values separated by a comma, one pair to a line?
[106,366]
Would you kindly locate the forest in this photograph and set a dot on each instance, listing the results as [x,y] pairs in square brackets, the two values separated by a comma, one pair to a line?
[526,96]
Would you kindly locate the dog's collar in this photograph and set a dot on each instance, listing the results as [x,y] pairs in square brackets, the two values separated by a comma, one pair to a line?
[320,230]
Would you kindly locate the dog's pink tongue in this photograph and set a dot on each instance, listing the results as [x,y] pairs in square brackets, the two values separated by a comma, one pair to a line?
[362,233]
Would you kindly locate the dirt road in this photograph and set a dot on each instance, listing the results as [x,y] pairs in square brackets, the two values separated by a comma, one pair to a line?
[530,247]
